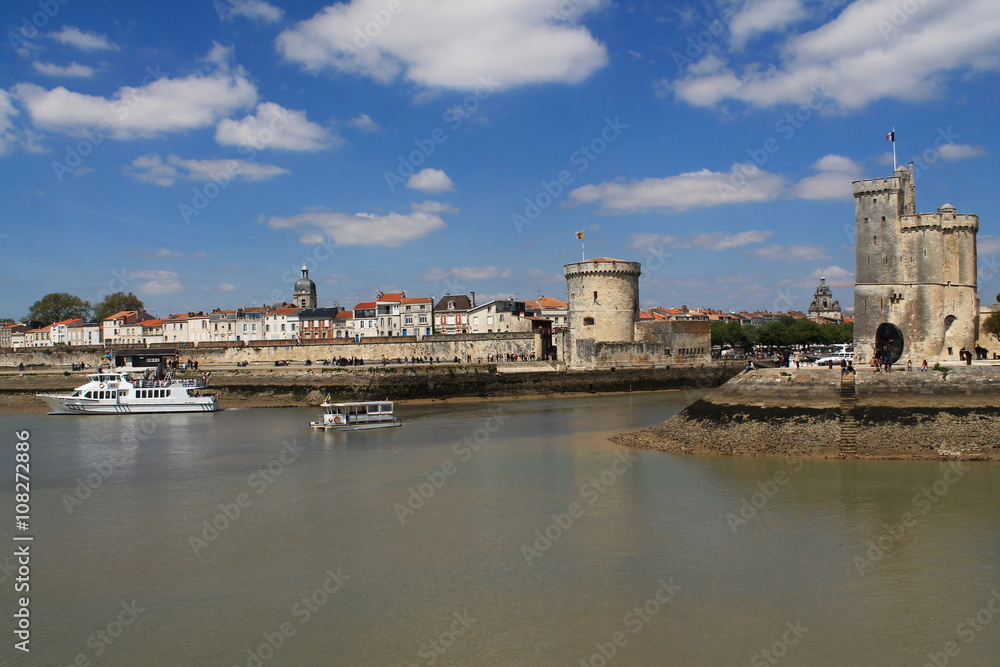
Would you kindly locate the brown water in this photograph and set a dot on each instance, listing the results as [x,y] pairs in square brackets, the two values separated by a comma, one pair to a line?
[647,558]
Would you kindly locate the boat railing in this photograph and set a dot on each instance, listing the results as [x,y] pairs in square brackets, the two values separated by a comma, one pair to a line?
[154,384]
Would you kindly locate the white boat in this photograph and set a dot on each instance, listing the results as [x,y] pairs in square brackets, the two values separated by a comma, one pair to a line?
[357,416]
[118,392]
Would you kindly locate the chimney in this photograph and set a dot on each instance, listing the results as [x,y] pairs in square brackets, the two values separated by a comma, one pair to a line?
[473,299]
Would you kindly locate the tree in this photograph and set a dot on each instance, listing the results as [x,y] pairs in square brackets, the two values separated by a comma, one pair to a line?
[57,307]
[116,303]
[992,325]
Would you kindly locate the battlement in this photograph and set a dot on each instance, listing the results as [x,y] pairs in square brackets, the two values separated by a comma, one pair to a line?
[602,265]
[870,186]
[941,220]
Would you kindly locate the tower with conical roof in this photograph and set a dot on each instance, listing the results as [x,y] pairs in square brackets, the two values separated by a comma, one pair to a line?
[305,291]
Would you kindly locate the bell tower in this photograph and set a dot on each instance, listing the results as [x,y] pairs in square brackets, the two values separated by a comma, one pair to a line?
[305,291]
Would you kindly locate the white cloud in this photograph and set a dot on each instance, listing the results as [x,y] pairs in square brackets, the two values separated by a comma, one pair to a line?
[364,122]
[925,45]
[836,173]
[791,253]
[393,229]
[960,151]
[334,278]
[450,43]
[833,275]
[163,252]
[155,108]
[155,169]
[227,287]
[275,127]
[988,245]
[86,41]
[7,112]
[764,16]
[73,69]
[703,241]
[468,273]
[158,282]
[430,180]
[433,207]
[743,183]
[254,9]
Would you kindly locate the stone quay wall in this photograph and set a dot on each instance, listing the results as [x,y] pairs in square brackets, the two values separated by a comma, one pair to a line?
[936,414]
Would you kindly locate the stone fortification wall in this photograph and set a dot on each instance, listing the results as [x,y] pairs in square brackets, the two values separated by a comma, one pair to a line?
[372,350]
[800,412]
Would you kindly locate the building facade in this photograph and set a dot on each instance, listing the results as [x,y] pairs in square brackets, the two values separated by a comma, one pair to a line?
[915,294]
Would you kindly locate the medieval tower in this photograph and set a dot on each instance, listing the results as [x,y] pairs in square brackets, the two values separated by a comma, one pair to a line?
[915,293]
[603,301]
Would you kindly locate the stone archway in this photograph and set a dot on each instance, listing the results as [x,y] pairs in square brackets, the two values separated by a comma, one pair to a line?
[888,342]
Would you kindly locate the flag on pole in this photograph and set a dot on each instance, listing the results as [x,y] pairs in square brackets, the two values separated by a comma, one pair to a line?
[579,235]
[891,136]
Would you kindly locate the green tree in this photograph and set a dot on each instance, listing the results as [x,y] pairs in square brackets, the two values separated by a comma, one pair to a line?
[116,303]
[992,325]
[57,307]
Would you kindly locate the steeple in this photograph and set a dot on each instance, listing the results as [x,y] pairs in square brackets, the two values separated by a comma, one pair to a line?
[305,290]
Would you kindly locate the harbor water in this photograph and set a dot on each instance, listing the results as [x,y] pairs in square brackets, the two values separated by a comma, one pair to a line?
[500,533]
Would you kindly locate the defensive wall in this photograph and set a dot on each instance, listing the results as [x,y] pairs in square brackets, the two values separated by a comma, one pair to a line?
[953,412]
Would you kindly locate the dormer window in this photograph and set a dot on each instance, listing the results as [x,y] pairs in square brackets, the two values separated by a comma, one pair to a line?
[451,305]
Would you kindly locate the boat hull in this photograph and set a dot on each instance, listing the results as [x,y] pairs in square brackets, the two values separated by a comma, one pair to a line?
[70,405]
[353,427]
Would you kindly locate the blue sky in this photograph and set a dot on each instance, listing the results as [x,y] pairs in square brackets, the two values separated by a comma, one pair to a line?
[199,155]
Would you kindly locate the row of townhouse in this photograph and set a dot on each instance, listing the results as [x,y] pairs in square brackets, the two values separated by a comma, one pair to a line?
[388,315]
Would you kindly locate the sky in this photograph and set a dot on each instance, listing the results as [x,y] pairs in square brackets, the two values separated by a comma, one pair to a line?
[199,156]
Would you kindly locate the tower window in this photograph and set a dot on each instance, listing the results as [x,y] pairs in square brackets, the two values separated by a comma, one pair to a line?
[874,200]
[866,221]
[883,218]
[595,296]
[588,321]
[874,240]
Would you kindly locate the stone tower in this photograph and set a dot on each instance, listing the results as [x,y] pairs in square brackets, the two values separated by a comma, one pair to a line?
[823,305]
[603,303]
[305,291]
[915,293]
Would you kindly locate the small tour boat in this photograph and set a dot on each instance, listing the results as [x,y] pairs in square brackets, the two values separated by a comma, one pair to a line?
[357,416]
[118,392]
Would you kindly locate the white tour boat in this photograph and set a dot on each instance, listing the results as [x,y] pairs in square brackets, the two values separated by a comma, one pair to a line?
[357,416]
[118,392]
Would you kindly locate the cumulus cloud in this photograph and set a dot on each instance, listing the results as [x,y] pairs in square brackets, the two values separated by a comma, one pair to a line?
[926,44]
[960,151]
[158,282]
[764,16]
[367,229]
[450,43]
[273,126]
[988,245]
[679,193]
[155,169]
[155,108]
[430,180]
[836,173]
[257,10]
[791,253]
[833,274]
[8,138]
[467,273]
[364,122]
[227,287]
[71,70]
[85,41]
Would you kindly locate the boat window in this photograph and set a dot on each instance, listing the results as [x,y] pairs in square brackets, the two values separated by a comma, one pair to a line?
[87,395]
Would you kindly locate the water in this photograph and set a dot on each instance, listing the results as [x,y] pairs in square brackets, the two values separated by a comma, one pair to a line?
[794,576]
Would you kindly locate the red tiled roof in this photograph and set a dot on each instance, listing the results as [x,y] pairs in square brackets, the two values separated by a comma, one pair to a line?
[419,299]
[394,296]
[124,313]
[366,305]
[151,323]
[344,314]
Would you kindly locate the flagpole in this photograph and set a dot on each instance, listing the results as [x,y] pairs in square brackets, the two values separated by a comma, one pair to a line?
[583,250]
[894,165]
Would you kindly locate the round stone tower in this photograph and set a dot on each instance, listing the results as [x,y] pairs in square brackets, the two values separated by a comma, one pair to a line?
[603,299]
